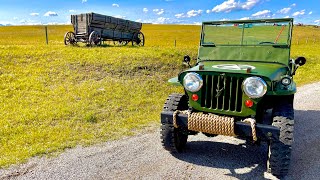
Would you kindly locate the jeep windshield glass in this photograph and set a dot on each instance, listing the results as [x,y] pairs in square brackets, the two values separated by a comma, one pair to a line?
[256,33]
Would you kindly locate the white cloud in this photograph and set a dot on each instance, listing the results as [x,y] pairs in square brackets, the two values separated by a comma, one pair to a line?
[155,10]
[249,4]
[286,17]
[299,13]
[317,21]
[34,14]
[139,20]
[208,11]
[189,14]
[310,12]
[181,15]
[293,5]
[72,11]
[161,11]
[50,13]
[145,10]
[84,1]
[197,23]
[224,19]
[264,13]
[230,5]
[161,20]
[284,10]
[245,18]
[226,6]
[194,13]
[15,18]
[115,5]
[119,16]
[23,21]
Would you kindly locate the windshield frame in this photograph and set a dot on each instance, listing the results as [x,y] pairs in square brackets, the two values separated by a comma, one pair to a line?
[282,20]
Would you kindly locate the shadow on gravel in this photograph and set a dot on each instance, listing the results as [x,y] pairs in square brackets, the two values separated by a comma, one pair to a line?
[228,156]
[305,160]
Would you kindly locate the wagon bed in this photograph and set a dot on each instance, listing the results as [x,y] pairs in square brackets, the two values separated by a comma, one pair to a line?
[93,28]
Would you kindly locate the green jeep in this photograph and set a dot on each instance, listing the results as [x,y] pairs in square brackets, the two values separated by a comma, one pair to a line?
[242,85]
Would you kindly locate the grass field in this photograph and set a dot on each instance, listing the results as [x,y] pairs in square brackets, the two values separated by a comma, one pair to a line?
[55,97]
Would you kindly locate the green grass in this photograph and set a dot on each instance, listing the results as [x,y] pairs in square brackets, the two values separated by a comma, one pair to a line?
[55,97]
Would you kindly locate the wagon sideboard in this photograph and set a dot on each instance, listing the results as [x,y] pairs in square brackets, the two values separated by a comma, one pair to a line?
[109,27]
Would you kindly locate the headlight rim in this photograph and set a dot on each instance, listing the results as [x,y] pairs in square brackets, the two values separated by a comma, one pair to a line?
[199,79]
[265,87]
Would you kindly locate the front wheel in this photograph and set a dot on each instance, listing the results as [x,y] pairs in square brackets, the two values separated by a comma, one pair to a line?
[174,139]
[280,150]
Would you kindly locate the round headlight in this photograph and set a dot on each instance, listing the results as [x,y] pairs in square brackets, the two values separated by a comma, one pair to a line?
[286,81]
[254,87]
[192,82]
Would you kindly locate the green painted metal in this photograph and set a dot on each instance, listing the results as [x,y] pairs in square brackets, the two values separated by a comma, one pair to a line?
[271,62]
[263,53]
[174,81]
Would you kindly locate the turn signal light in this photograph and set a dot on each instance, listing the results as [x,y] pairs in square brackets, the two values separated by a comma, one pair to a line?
[248,103]
[195,97]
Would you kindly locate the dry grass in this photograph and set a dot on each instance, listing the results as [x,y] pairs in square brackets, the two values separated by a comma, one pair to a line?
[55,97]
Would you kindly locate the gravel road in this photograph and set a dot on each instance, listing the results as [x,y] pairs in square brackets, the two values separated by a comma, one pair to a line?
[142,157]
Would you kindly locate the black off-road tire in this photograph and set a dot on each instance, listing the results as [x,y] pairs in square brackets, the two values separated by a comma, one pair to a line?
[174,139]
[280,150]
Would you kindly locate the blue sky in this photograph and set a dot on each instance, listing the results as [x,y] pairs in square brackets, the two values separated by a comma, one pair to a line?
[18,12]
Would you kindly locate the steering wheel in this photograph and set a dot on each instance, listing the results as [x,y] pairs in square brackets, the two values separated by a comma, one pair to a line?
[266,42]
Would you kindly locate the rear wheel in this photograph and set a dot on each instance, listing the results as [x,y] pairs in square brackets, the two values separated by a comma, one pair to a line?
[174,139]
[95,38]
[138,39]
[70,38]
[280,150]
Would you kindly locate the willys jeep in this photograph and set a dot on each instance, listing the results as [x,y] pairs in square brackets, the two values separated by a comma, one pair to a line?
[242,85]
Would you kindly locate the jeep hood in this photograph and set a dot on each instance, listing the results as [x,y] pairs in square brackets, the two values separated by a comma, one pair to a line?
[271,54]
[272,71]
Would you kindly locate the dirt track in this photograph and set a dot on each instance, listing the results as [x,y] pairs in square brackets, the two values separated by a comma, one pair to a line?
[142,157]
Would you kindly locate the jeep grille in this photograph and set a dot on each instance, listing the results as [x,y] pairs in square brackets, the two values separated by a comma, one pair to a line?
[222,92]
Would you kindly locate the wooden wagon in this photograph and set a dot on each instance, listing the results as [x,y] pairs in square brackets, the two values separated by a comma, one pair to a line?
[93,29]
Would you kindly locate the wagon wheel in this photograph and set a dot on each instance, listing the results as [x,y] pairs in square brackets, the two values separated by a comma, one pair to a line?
[120,43]
[138,39]
[70,38]
[95,38]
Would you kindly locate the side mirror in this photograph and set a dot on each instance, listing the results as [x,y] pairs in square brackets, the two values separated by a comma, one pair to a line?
[300,61]
[297,63]
[187,59]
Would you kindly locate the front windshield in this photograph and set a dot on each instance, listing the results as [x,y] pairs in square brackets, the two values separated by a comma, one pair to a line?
[265,33]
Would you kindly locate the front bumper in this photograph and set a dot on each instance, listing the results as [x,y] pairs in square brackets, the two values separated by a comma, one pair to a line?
[263,132]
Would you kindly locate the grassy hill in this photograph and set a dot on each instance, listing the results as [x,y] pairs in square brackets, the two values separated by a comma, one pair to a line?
[55,97]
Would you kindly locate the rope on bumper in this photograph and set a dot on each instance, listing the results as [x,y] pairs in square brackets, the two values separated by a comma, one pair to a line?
[253,127]
[175,116]
[211,123]
[207,123]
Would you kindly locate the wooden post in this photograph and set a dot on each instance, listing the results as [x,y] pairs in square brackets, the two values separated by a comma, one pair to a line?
[307,40]
[46,31]
[175,43]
